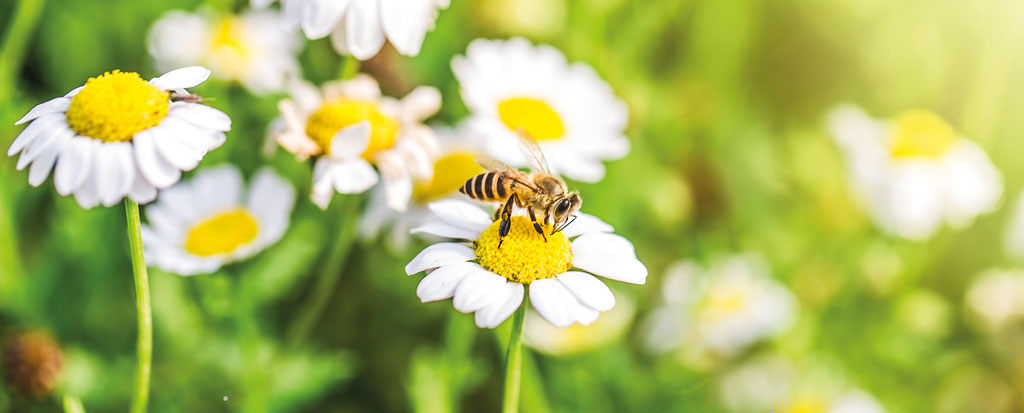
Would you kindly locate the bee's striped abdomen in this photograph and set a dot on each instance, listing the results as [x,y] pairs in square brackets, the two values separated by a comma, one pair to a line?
[488,186]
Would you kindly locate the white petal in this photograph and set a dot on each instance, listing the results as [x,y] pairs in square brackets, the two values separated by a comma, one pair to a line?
[351,141]
[423,102]
[320,16]
[446,231]
[43,125]
[439,255]
[508,299]
[477,290]
[461,214]
[74,91]
[610,256]
[73,168]
[44,163]
[397,185]
[183,78]
[202,116]
[87,194]
[352,176]
[141,191]
[440,284]
[363,29]
[585,224]
[322,190]
[46,140]
[553,301]
[51,106]
[117,174]
[176,152]
[406,23]
[272,198]
[154,168]
[219,186]
[588,290]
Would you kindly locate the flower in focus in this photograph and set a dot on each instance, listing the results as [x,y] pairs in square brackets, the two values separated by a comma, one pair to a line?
[453,166]
[359,28]
[568,108]
[721,310]
[32,363]
[119,136]
[252,48]
[351,128]
[577,338]
[489,281]
[914,172]
[211,220]
[996,298]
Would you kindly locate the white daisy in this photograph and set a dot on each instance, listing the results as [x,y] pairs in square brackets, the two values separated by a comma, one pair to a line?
[721,310]
[568,108]
[252,48]
[996,298]
[351,128]
[359,28]
[575,339]
[454,165]
[914,172]
[119,136]
[489,281]
[211,220]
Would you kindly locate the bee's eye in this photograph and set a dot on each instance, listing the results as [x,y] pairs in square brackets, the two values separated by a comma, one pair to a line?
[562,207]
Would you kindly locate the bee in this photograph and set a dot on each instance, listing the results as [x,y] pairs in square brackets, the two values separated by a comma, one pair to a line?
[540,192]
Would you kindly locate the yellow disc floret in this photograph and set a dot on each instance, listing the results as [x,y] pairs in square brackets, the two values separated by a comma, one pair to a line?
[222,233]
[335,116]
[919,133]
[534,115]
[523,256]
[115,106]
[228,52]
[450,172]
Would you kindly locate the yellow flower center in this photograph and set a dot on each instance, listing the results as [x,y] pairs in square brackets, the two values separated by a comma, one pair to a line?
[450,172]
[523,256]
[222,233]
[335,116]
[534,115]
[228,52]
[806,405]
[725,302]
[919,133]
[115,106]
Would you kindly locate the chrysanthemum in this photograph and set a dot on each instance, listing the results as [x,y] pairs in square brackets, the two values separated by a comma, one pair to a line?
[213,219]
[720,310]
[119,136]
[252,48]
[489,281]
[914,172]
[350,128]
[454,165]
[359,28]
[568,108]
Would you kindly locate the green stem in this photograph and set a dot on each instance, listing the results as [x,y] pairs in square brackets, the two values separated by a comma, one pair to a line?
[145,343]
[514,362]
[73,405]
[336,258]
[16,40]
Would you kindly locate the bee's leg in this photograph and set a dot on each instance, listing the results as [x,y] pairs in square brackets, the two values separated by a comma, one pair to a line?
[536,226]
[506,218]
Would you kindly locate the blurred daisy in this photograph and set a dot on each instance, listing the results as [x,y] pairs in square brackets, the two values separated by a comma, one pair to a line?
[199,225]
[721,310]
[454,165]
[568,108]
[252,48]
[996,298]
[577,338]
[914,172]
[359,28]
[351,128]
[489,281]
[119,136]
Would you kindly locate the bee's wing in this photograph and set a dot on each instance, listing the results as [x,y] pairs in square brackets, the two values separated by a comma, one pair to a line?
[533,153]
[494,165]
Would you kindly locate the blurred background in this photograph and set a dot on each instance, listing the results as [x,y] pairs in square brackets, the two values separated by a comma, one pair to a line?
[732,170]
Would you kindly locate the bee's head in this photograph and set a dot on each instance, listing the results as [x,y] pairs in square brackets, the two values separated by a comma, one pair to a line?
[566,206]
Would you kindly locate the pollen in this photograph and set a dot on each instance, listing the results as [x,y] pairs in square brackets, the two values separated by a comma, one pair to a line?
[919,133]
[335,116]
[222,233]
[524,256]
[115,106]
[450,172]
[533,115]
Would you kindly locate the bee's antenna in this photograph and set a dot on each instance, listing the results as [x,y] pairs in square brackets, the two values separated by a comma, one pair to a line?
[565,225]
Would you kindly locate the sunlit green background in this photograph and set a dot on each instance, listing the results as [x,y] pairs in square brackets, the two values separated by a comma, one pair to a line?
[730,153]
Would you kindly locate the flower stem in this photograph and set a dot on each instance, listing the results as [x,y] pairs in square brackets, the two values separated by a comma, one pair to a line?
[144,347]
[514,362]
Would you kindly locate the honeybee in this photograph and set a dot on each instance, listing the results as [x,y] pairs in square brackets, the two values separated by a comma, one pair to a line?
[540,192]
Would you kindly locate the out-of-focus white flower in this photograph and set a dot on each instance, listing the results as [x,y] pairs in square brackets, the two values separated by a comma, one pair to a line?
[489,281]
[541,335]
[568,108]
[119,136]
[996,298]
[211,220]
[914,172]
[359,28]
[252,48]
[721,310]
[351,128]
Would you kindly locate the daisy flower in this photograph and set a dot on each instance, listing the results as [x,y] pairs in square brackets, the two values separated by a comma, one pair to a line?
[199,225]
[359,28]
[720,310]
[453,166]
[350,128]
[119,136]
[568,108]
[996,298]
[491,281]
[914,172]
[252,48]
